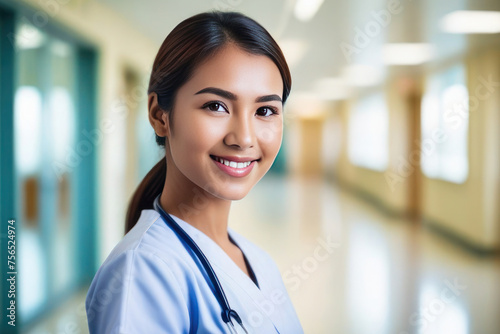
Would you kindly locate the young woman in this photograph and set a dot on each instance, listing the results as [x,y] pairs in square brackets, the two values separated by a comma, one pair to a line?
[216,96]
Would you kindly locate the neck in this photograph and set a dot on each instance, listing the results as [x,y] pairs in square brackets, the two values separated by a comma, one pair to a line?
[204,211]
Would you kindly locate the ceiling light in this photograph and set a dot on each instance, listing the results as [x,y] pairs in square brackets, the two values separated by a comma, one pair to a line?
[306,9]
[471,22]
[407,53]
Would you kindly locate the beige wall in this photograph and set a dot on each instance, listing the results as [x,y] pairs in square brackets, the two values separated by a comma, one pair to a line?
[305,153]
[471,209]
[393,196]
[311,146]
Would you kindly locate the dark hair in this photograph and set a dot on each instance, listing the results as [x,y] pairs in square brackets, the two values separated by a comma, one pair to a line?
[189,44]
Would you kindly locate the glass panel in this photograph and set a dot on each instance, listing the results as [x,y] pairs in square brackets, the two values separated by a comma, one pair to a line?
[368,133]
[29,151]
[44,128]
[61,102]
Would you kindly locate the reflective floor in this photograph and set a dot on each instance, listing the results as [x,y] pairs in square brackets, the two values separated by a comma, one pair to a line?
[351,269]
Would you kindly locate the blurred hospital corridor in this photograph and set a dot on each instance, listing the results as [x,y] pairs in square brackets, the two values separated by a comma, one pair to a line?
[382,207]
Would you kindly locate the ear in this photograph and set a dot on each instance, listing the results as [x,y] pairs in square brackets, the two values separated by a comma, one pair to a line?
[157,116]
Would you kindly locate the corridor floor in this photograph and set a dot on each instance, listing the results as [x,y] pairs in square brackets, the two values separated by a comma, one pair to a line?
[351,269]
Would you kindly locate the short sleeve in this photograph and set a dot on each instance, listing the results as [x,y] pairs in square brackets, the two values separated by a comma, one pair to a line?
[137,292]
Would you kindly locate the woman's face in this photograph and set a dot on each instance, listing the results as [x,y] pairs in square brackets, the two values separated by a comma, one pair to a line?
[227,123]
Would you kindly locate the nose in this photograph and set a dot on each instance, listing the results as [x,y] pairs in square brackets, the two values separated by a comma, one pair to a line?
[241,133]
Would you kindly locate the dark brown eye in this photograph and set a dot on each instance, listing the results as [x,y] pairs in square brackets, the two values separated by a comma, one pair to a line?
[265,111]
[215,106]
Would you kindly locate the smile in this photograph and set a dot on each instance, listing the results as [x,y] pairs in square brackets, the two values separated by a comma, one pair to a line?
[239,168]
[232,164]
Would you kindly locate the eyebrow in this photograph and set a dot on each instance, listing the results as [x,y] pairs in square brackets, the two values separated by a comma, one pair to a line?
[230,96]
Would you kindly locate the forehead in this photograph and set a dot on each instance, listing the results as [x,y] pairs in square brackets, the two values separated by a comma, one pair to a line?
[239,72]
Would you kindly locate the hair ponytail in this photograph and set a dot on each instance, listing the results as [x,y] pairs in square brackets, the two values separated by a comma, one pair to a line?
[150,187]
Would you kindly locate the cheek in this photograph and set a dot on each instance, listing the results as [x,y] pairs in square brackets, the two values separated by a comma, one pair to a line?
[270,136]
[198,135]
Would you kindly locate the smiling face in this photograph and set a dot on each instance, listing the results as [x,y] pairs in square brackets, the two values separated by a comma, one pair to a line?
[227,124]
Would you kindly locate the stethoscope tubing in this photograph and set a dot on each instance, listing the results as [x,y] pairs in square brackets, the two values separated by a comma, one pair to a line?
[227,312]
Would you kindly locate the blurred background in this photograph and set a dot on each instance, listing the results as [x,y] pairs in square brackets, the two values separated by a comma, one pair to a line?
[381,210]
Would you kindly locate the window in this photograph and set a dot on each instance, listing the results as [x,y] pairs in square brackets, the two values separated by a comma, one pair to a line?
[445,123]
[369,132]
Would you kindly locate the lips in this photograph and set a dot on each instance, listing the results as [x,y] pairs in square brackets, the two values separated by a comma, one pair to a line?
[235,166]
[232,164]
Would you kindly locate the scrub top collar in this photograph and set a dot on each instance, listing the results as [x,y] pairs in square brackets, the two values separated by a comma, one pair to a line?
[232,274]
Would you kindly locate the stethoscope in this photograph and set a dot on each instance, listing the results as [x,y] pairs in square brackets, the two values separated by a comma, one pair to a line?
[228,314]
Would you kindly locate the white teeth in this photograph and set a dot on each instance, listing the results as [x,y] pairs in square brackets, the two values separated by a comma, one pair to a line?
[233,164]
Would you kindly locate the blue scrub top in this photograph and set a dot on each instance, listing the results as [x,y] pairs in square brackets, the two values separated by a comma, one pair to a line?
[152,283]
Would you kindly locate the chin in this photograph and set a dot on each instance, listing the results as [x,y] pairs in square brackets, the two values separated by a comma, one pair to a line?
[232,194]
[235,196]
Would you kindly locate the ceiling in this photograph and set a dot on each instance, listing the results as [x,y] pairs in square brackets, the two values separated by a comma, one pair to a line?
[320,48]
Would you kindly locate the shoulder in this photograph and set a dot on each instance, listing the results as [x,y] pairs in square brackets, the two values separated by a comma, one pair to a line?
[130,293]
[145,273]
[149,245]
[149,237]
